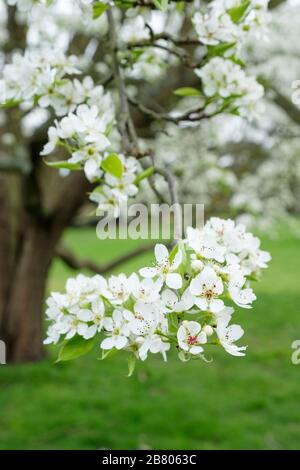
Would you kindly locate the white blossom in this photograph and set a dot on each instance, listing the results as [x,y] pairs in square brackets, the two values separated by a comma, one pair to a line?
[164,268]
[118,331]
[190,337]
[228,335]
[206,287]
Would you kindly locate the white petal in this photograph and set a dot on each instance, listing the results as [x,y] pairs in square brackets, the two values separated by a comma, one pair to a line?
[235,332]
[169,297]
[216,305]
[161,252]
[188,299]
[107,343]
[201,303]
[108,324]
[120,342]
[102,142]
[181,333]
[195,286]
[117,316]
[177,259]
[91,331]
[84,315]
[202,338]
[196,350]
[194,327]
[148,272]
[174,280]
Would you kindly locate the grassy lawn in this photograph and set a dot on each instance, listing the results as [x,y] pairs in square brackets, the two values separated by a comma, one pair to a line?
[233,403]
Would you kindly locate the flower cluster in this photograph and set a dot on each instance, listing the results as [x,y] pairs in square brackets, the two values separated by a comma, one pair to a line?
[185,299]
[40,77]
[116,190]
[84,134]
[87,121]
[228,88]
[223,28]
[231,21]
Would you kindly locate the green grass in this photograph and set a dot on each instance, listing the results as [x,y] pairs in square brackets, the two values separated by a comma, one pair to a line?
[233,403]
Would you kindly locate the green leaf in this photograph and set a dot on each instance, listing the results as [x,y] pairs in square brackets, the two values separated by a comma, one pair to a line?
[173,253]
[98,9]
[144,174]
[180,7]
[172,322]
[10,104]
[109,308]
[219,49]
[131,364]
[113,165]
[161,4]
[237,61]
[109,128]
[129,304]
[125,3]
[64,164]
[187,91]
[237,13]
[75,347]
[108,354]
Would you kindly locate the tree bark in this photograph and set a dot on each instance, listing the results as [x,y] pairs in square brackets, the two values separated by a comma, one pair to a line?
[22,320]
[24,268]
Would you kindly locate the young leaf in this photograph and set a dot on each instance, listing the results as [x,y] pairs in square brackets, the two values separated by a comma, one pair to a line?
[180,7]
[219,49]
[109,128]
[172,322]
[74,348]
[109,308]
[131,364]
[144,174]
[237,13]
[113,165]
[98,9]
[161,4]
[187,91]
[64,165]
[10,104]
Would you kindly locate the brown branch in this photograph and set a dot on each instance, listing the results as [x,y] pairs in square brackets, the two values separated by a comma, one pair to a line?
[191,115]
[167,37]
[78,264]
[275,3]
[150,4]
[127,128]
[180,53]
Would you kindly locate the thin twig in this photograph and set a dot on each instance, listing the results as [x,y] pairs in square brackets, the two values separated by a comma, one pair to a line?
[78,264]
[193,115]
[167,37]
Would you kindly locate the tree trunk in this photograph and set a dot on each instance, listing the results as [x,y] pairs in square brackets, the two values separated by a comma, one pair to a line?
[25,258]
[22,322]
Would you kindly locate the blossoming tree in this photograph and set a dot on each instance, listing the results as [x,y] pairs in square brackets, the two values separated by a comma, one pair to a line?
[80,78]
